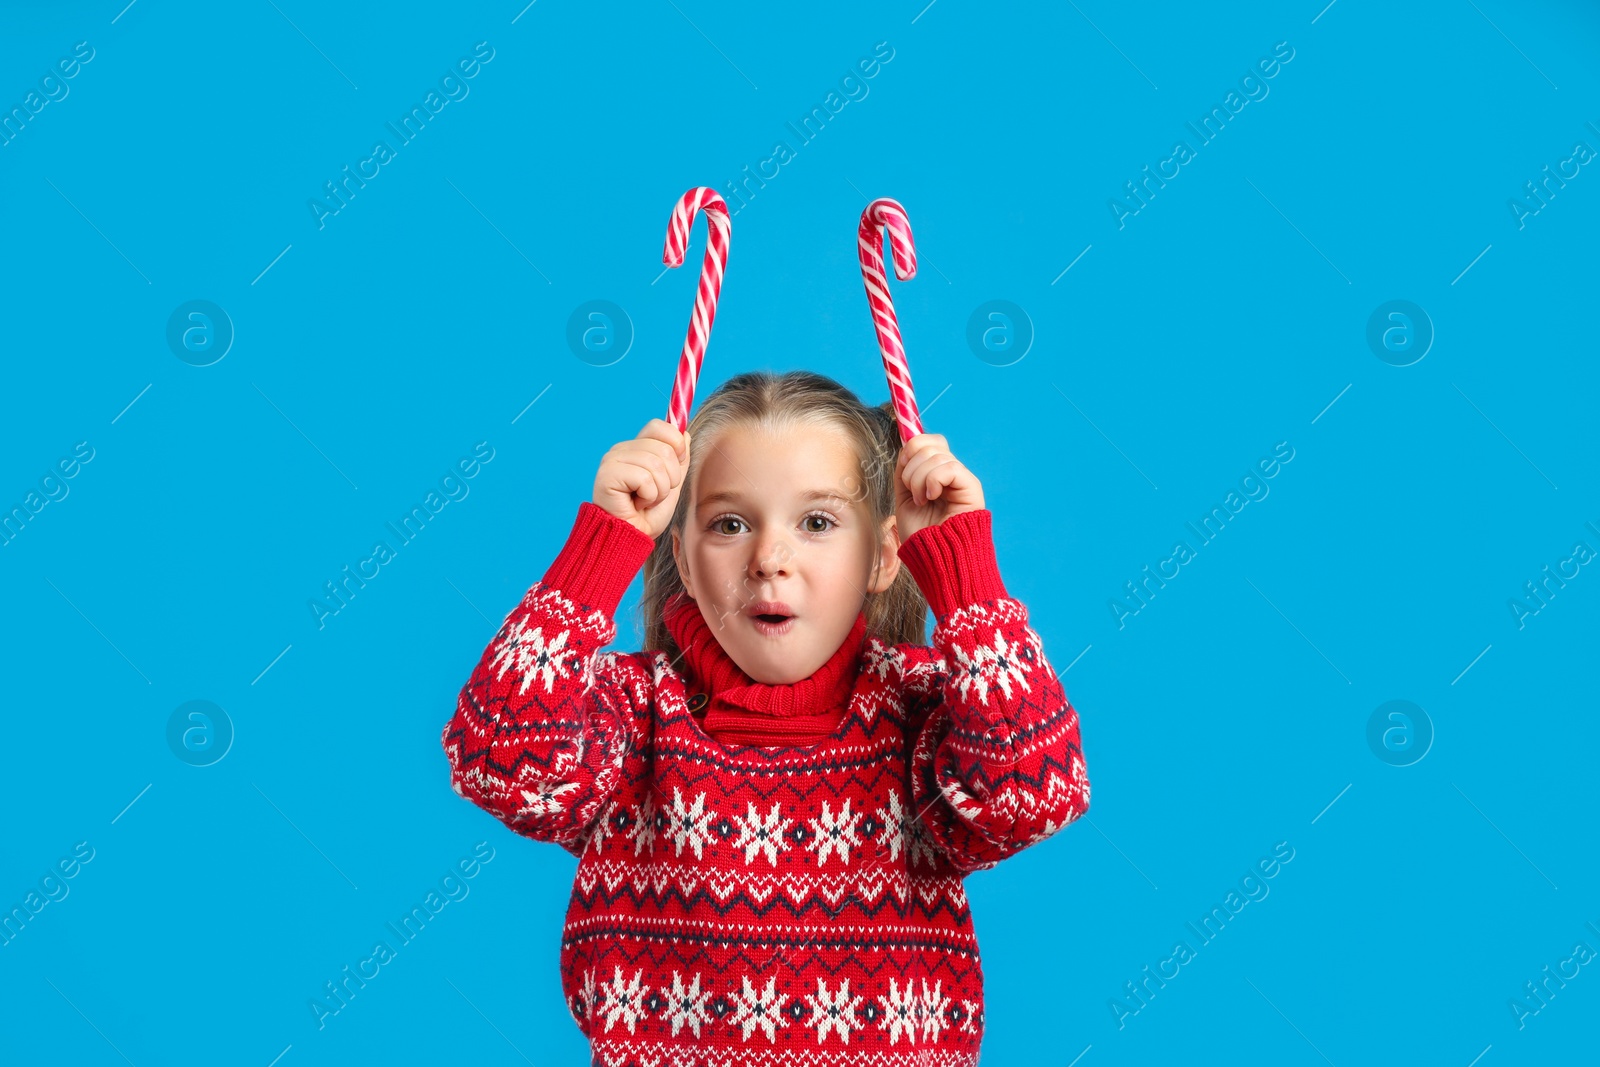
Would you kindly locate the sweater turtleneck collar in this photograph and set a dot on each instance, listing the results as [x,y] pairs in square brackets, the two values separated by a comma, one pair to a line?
[742,711]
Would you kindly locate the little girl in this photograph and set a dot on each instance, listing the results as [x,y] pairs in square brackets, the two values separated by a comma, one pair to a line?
[774,804]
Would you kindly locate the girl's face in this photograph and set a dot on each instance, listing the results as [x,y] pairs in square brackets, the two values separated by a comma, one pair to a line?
[776,525]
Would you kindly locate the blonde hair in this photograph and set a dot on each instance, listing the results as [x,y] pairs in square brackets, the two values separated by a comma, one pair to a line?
[773,402]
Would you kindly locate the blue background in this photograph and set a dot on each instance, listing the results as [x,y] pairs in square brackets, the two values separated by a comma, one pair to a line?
[1229,314]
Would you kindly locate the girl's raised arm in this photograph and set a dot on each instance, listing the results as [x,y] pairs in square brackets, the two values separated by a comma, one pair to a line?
[542,728]
[997,764]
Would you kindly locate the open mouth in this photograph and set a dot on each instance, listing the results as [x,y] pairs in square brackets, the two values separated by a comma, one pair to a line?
[771,618]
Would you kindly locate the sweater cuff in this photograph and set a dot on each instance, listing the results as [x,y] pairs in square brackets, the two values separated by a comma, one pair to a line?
[600,559]
[954,562]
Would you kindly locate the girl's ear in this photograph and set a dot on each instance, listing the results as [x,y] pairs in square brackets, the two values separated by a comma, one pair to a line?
[682,563]
[887,566]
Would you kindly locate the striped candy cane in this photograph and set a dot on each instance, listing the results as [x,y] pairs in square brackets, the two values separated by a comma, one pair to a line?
[705,300]
[884,212]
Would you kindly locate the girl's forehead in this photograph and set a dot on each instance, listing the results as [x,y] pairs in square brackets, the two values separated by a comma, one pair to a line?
[752,463]
[804,446]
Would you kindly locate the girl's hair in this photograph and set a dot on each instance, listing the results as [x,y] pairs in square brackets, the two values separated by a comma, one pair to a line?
[776,402]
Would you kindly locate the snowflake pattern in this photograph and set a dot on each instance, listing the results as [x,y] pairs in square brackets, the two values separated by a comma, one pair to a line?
[934,1005]
[643,831]
[689,825]
[543,798]
[894,824]
[603,829]
[757,834]
[763,1009]
[531,655]
[835,833]
[883,660]
[835,1011]
[581,1004]
[686,1005]
[624,1001]
[997,664]
[919,845]
[900,832]
[901,1013]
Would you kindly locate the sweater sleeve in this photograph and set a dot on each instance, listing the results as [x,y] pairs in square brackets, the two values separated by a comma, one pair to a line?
[996,765]
[542,727]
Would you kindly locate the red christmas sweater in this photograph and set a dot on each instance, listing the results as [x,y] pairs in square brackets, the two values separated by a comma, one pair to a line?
[771,904]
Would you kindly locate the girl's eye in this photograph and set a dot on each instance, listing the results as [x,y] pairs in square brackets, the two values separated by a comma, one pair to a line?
[823,522]
[827,523]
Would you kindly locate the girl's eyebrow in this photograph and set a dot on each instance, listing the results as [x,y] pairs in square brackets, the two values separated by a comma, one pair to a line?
[732,496]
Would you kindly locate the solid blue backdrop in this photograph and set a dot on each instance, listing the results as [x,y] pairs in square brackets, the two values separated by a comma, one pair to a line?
[179,489]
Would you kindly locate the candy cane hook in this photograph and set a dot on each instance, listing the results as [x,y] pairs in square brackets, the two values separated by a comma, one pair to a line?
[718,231]
[884,212]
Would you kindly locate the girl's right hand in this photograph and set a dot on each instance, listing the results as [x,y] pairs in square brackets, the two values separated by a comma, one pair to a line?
[639,480]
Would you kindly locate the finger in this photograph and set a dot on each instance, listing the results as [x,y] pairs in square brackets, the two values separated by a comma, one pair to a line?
[628,481]
[917,473]
[923,441]
[938,478]
[649,483]
[651,450]
[938,475]
[917,459]
[910,450]
[908,476]
[667,433]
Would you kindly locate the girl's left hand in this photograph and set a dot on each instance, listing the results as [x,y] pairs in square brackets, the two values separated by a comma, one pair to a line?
[931,485]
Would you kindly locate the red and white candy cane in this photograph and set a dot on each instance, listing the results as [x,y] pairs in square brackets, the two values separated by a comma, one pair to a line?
[884,212]
[718,231]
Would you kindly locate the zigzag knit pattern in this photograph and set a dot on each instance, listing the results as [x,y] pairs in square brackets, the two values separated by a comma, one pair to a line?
[740,904]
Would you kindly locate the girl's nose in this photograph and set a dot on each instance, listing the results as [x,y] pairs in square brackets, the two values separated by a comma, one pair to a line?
[772,558]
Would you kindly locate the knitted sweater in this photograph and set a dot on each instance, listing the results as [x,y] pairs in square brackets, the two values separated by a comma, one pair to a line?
[741,904]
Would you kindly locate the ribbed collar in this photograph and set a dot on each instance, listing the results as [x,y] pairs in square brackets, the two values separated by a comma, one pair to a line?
[742,711]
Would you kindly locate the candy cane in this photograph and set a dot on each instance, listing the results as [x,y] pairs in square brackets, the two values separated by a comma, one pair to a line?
[884,212]
[705,301]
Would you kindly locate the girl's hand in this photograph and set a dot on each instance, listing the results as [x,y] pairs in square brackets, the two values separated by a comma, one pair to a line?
[639,480]
[931,485]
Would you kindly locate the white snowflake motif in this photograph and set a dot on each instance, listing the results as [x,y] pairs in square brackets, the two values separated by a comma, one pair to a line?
[882,659]
[900,832]
[919,846]
[894,824]
[624,1001]
[532,656]
[585,998]
[686,1005]
[836,1011]
[934,1005]
[689,826]
[602,829]
[757,834]
[643,831]
[1036,645]
[901,1013]
[764,1009]
[542,798]
[969,1021]
[996,664]
[834,833]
